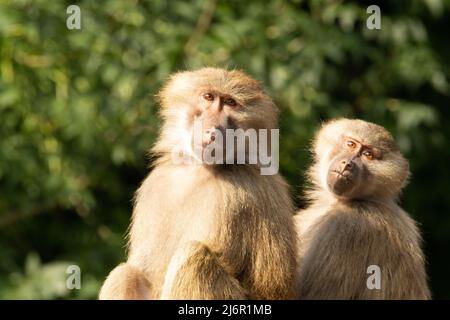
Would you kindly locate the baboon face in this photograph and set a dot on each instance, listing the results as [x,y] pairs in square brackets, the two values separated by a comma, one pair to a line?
[362,160]
[217,99]
[349,168]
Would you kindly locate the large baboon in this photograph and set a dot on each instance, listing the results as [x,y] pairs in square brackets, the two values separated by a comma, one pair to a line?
[208,231]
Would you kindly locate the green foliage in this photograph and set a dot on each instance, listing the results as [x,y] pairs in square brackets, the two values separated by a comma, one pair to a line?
[78,111]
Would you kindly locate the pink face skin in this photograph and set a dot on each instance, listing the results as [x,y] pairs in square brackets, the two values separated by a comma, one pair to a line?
[214,111]
[348,170]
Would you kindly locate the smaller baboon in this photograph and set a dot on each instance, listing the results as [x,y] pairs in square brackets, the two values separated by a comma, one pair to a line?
[354,224]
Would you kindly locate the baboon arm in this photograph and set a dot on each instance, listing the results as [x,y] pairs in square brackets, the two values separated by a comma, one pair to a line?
[194,272]
[271,272]
[125,282]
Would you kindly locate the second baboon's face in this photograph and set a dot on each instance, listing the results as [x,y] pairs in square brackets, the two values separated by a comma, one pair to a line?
[357,159]
[348,172]
[367,166]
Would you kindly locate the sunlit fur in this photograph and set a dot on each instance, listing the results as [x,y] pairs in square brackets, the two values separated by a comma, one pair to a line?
[210,233]
[340,238]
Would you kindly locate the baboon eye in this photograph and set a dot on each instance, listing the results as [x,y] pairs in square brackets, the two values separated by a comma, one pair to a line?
[230,102]
[351,144]
[208,96]
[368,155]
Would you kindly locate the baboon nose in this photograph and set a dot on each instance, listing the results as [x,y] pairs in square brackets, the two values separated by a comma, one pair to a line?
[346,165]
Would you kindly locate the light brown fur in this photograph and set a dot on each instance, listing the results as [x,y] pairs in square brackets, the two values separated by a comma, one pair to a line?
[339,238]
[210,232]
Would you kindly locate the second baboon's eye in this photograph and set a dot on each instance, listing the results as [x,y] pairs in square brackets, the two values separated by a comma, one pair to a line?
[368,154]
[230,102]
[351,144]
[208,96]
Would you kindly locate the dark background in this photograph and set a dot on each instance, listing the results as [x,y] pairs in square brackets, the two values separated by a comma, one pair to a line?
[78,112]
